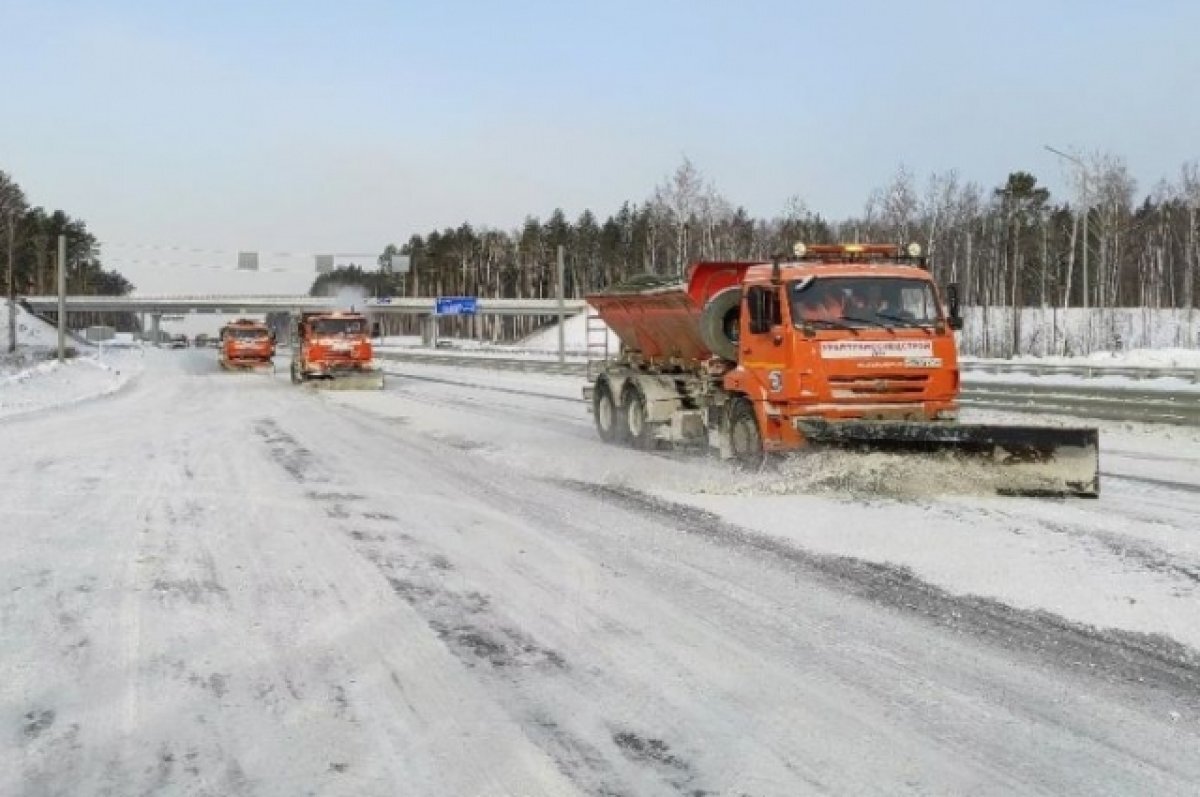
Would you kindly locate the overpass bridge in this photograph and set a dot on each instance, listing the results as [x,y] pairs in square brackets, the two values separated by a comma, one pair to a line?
[173,305]
[158,306]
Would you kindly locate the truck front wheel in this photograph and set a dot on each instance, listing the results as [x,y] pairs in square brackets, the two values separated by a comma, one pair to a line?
[745,438]
[610,425]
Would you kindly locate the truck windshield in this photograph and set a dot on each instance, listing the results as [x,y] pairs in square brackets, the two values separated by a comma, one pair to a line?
[339,326]
[247,334]
[864,301]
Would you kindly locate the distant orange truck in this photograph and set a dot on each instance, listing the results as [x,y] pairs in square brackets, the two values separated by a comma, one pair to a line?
[333,350]
[247,345]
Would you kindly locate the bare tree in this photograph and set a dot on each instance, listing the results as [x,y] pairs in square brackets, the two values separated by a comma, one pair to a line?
[675,202]
[897,205]
[1189,189]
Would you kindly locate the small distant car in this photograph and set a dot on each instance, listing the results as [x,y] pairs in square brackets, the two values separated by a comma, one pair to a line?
[178,342]
[121,340]
[200,341]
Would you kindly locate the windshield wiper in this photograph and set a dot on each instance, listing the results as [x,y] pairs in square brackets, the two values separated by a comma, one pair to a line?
[872,321]
[832,323]
[902,321]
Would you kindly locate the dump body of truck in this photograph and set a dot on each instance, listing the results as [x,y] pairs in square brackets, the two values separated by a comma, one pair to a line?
[846,345]
[246,345]
[333,350]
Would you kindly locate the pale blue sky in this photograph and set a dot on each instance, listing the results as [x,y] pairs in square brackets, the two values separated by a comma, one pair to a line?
[318,126]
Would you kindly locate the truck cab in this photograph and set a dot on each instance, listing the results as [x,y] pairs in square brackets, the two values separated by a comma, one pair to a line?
[246,344]
[848,332]
[333,349]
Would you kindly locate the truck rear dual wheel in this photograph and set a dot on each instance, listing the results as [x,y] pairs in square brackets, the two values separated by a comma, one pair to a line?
[610,422]
[637,419]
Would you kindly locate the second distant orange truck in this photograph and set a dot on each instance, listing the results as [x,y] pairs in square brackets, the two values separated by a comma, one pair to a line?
[247,345]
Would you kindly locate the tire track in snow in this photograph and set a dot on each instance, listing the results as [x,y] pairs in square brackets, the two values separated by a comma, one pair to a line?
[1144,660]
[509,658]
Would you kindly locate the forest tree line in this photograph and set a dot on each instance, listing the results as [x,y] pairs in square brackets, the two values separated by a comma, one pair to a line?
[29,255]
[29,249]
[1012,244]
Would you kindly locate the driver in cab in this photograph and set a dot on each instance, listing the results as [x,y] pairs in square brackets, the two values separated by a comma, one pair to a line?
[867,301]
[820,304]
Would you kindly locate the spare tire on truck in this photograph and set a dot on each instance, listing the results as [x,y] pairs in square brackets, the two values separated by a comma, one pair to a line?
[719,323]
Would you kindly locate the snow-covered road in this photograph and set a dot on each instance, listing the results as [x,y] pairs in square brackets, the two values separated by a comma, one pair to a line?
[222,584]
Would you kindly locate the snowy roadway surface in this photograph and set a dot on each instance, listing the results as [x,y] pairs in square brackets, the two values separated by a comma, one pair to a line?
[217,584]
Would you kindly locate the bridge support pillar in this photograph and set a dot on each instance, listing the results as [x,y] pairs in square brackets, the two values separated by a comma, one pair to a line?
[429,330]
[155,320]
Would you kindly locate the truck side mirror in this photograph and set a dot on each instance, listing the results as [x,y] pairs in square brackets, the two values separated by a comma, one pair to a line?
[760,316]
[955,319]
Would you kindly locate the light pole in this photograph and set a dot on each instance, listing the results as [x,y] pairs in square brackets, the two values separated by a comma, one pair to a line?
[1087,211]
[12,290]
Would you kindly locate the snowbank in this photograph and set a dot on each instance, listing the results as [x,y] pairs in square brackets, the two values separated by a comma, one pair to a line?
[49,383]
[1132,358]
[576,337]
[33,334]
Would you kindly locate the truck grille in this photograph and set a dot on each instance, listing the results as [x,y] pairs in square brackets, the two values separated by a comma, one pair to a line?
[903,387]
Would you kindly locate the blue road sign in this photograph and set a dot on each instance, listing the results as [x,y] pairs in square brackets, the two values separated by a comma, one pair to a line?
[457,305]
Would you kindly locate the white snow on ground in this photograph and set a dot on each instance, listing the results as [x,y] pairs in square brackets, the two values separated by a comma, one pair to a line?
[31,380]
[1167,383]
[437,589]
[1146,358]
[1129,560]
[50,383]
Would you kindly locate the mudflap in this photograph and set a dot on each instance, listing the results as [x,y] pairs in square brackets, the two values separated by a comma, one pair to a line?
[1034,460]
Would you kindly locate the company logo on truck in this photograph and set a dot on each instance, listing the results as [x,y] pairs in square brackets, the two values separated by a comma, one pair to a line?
[858,349]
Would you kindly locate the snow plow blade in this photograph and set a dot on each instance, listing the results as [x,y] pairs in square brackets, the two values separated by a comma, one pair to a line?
[249,367]
[1030,460]
[367,380]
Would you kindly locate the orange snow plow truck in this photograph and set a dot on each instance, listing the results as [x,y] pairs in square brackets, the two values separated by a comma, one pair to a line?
[333,350]
[247,345]
[841,345]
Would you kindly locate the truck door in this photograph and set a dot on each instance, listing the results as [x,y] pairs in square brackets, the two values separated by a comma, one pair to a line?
[762,330]
[762,358]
